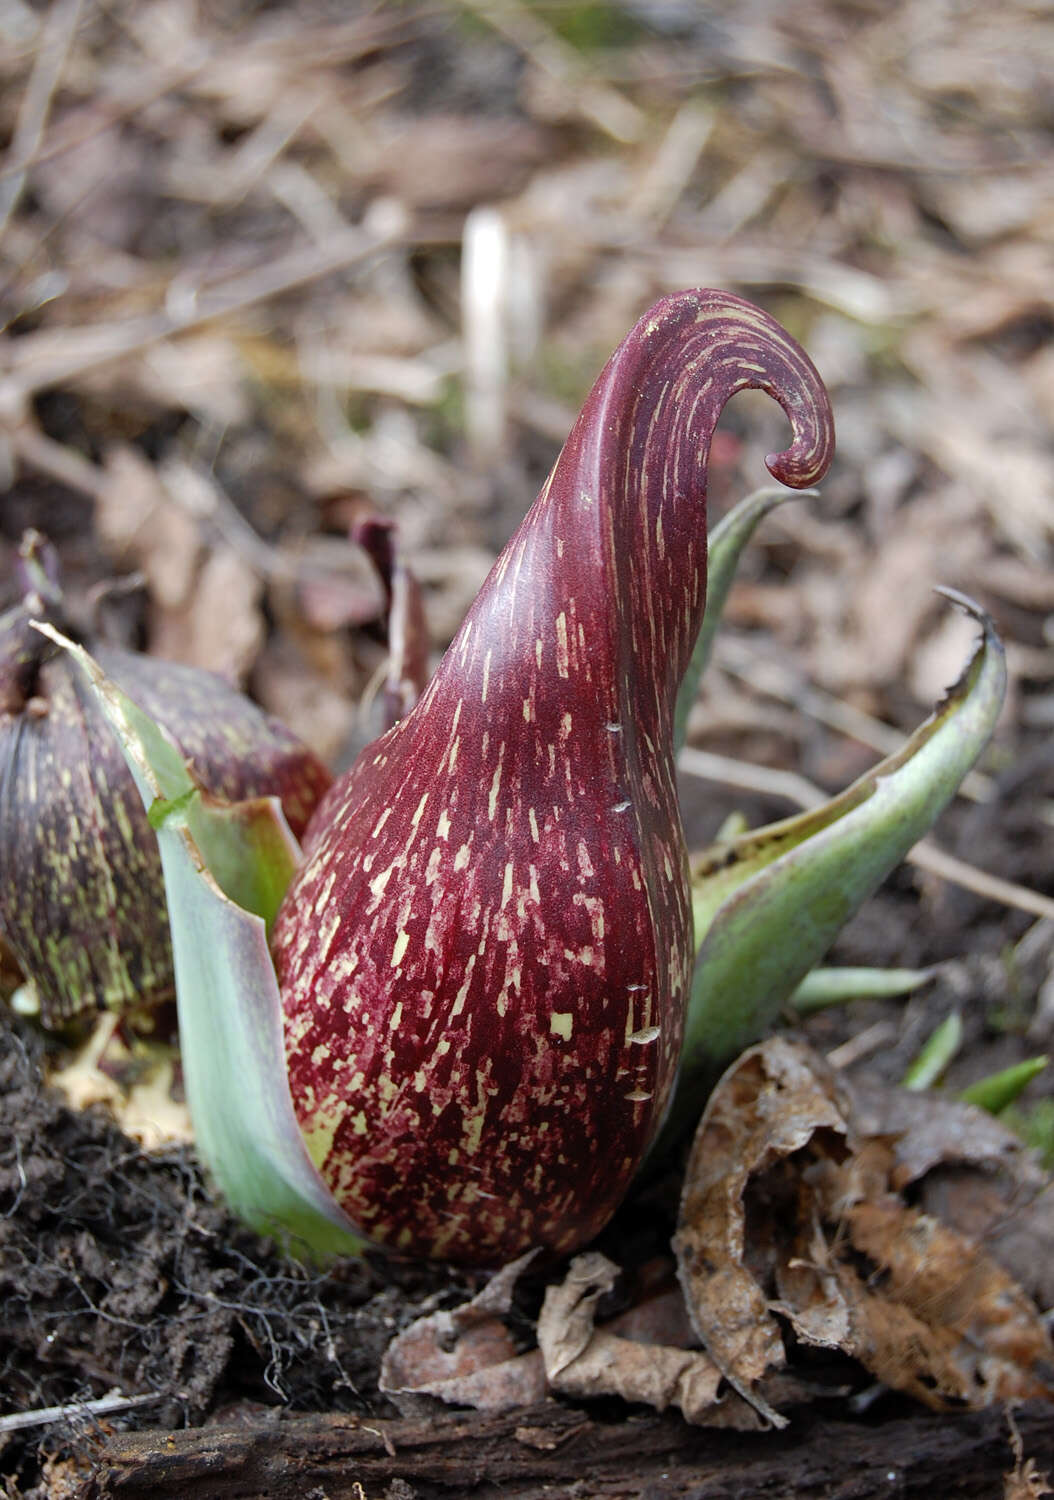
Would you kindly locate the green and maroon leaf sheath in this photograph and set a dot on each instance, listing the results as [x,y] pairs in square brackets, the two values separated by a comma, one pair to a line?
[485,960]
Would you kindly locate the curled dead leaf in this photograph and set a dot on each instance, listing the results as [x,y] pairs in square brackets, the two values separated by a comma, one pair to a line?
[583,1360]
[767,1107]
[466,1355]
[791,1212]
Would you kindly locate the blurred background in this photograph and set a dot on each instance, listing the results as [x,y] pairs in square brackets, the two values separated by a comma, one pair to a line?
[266,269]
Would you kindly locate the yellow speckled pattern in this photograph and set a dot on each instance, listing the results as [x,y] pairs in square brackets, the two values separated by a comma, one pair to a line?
[485,959]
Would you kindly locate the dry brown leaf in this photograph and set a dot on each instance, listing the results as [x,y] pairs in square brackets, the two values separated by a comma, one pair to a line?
[205,604]
[766,1107]
[221,626]
[661,1317]
[135,1083]
[790,1206]
[583,1360]
[971,1172]
[329,601]
[467,1356]
[451,161]
[929,1131]
[1011,1218]
[311,685]
[143,529]
[936,1316]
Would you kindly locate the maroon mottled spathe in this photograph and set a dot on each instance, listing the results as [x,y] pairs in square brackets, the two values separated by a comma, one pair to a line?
[485,960]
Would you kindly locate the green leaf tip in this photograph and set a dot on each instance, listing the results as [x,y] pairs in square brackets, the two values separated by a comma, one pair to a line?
[822,988]
[226,867]
[768,904]
[936,1054]
[999,1090]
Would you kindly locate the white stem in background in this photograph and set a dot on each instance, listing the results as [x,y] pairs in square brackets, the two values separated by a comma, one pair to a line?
[485,261]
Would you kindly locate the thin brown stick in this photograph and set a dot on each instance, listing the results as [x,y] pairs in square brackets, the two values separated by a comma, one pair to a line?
[46,456]
[763,675]
[36,102]
[45,1416]
[37,362]
[113,113]
[600,103]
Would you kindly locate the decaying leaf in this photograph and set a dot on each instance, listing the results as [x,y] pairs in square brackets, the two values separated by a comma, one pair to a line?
[791,1208]
[466,1355]
[583,1360]
[972,1173]
[206,601]
[753,1122]
[937,1316]
[135,1082]
[929,1131]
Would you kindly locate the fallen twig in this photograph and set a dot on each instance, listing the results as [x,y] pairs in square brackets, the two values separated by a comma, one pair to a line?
[103,1406]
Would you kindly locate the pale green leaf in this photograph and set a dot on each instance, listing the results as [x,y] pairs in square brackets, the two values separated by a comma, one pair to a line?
[825,987]
[935,1055]
[769,904]
[225,871]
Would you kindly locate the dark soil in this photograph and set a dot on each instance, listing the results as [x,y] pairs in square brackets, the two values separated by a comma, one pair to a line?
[118,1271]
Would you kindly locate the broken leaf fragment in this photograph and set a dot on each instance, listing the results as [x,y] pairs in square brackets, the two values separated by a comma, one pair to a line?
[791,1217]
[467,1355]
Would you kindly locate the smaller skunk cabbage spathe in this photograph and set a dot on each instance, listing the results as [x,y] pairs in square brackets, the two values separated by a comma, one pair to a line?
[470,1034]
[82,903]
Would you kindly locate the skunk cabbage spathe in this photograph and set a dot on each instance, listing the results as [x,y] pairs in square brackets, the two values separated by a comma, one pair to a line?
[485,960]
